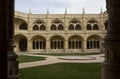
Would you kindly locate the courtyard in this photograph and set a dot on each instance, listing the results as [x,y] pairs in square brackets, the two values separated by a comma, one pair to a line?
[53,67]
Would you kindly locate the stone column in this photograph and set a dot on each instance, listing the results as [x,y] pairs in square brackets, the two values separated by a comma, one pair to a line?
[111,65]
[8,63]
[29,46]
[66,46]
[84,46]
[47,46]
[3,40]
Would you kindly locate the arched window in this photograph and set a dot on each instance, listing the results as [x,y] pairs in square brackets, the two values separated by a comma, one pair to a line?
[57,43]
[71,27]
[23,26]
[60,27]
[89,27]
[75,42]
[53,27]
[95,27]
[35,27]
[77,27]
[42,27]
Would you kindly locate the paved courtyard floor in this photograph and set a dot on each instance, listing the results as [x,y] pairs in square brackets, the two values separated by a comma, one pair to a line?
[62,59]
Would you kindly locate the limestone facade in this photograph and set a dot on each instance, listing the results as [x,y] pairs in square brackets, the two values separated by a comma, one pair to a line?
[59,33]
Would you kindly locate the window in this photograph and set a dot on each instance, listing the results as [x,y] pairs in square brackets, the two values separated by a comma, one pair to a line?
[35,27]
[95,27]
[89,27]
[71,27]
[60,27]
[23,26]
[77,27]
[53,27]
[42,27]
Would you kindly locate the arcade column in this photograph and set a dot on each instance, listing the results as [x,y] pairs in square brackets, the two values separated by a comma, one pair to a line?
[111,65]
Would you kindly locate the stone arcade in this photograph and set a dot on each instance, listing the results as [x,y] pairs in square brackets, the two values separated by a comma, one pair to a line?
[9,69]
[59,33]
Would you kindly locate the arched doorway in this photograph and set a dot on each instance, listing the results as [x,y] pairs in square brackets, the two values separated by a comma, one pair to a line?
[94,43]
[20,43]
[57,44]
[23,45]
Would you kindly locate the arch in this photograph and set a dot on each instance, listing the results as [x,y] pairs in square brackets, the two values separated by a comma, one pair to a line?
[57,21]
[92,20]
[53,27]
[35,27]
[21,43]
[57,42]
[94,42]
[38,21]
[78,27]
[71,27]
[23,26]
[60,27]
[38,43]
[42,27]
[74,21]
[95,27]
[89,27]
[20,19]
[75,42]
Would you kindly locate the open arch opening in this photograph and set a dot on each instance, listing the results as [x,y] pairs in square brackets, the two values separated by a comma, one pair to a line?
[23,26]
[21,43]
[93,42]
[38,43]
[75,42]
[57,42]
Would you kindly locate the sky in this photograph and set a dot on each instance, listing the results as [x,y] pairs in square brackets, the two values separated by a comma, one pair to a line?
[58,6]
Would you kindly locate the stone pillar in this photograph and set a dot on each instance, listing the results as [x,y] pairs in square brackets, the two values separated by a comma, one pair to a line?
[66,46]
[3,40]
[8,63]
[29,45]
[47,46]
[84,46]
[111,65]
